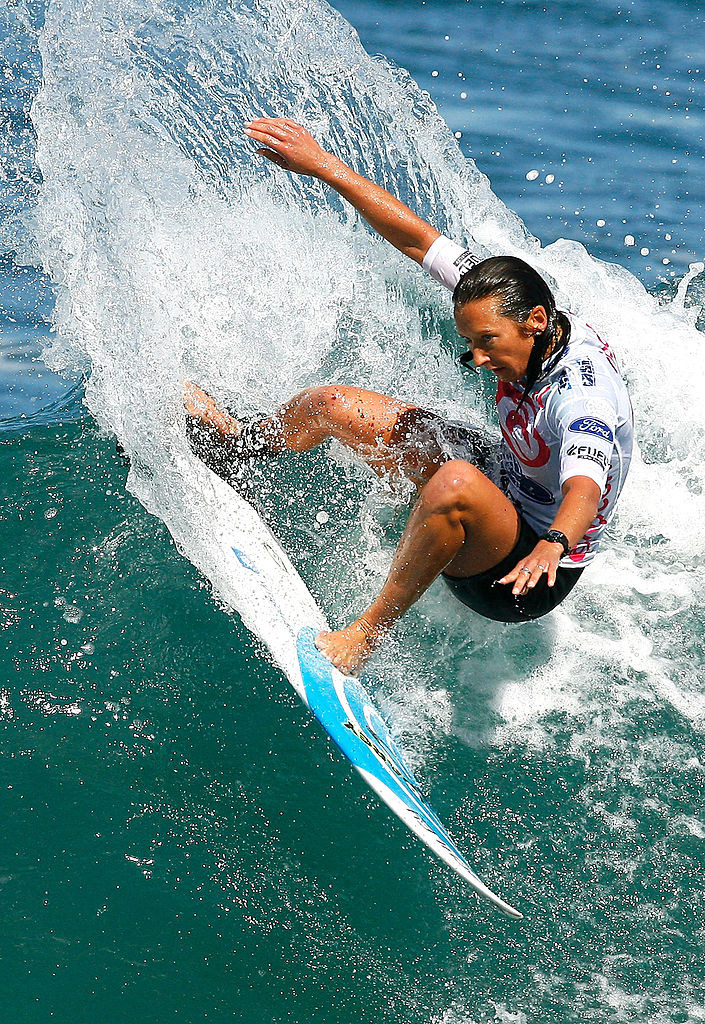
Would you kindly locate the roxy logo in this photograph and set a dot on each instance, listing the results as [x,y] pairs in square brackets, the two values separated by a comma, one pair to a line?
[590,425]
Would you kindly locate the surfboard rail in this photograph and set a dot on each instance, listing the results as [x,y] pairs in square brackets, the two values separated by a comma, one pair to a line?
[347,713]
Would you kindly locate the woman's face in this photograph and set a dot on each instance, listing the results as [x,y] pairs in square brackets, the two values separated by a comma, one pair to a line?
[497,342]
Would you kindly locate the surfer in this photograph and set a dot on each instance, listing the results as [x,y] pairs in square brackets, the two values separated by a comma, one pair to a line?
[509,522]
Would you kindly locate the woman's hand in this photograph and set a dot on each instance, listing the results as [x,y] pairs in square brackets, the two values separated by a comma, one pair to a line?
[529,570]
[290,146]
[348,649]
[578,509]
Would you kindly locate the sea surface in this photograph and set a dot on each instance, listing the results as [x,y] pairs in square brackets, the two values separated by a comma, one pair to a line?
[179,839]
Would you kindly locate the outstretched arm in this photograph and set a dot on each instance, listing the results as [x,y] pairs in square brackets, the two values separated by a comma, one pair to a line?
[290,146]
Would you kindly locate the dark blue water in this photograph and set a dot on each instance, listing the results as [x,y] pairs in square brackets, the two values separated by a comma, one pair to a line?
[609,102]
[180,842]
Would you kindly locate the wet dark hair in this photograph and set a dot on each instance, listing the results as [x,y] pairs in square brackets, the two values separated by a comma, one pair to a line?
[520,288]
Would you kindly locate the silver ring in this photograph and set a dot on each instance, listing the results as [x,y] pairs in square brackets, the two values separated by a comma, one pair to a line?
[542,567]
[525,570]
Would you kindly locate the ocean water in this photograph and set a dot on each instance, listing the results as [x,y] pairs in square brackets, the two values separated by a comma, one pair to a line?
[180,840]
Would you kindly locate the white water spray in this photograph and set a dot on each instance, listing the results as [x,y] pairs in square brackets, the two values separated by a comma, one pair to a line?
[181,254]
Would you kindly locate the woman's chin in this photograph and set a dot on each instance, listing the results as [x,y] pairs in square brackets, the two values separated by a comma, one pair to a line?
[507,375]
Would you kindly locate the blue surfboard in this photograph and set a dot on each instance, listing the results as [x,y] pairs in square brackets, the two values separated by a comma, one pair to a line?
[347,713]
[252,575]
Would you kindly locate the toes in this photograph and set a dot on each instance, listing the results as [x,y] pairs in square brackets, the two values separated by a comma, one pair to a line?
[320,641]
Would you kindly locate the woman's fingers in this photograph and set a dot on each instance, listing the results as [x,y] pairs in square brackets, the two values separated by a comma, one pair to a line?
[270,130]
[518,576]
[529,570]
[525,576]
[277,129]
[270,138]
[280,122]
[293,143]
[273,144]
[200,405]
[276,158]
[195,398]
[273,147]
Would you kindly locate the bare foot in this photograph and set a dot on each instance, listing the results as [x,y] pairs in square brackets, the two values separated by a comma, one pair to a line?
[202,406]
[348,649]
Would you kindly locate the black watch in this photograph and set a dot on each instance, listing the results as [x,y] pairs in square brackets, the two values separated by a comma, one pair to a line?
[556,537]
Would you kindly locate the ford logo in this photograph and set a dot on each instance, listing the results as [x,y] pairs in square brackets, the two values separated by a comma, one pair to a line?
[590,425]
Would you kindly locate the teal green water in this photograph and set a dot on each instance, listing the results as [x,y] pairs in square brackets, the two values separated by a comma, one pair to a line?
[180,841]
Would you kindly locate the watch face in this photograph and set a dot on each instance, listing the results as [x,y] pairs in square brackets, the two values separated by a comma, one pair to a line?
[556,537]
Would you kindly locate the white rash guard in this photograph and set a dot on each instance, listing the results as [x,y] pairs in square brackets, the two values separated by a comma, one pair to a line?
[577,421]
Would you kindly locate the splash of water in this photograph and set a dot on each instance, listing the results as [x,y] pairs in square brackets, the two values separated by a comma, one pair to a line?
[179,254]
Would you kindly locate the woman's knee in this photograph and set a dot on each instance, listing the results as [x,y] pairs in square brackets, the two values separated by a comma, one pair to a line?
[455,487]
[322,403]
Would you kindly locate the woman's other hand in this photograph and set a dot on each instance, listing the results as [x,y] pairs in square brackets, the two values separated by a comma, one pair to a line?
[203,408]
[290,146]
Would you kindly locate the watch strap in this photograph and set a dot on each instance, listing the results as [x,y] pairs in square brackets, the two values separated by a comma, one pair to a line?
[556,537]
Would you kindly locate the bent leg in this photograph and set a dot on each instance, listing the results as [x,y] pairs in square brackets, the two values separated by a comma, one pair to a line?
[461,523]
[390,435]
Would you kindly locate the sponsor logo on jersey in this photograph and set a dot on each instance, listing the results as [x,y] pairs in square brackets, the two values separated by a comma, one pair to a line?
[591,425]
[519,428]
[587,373]
[586,451]
[466,261]
[535,491]
[580,551]
[523,484]
[564,381]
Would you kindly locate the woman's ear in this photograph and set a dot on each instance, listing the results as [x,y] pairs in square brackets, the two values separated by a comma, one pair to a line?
[537,320]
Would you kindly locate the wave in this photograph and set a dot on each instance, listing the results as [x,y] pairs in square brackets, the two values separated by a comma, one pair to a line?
[179,254]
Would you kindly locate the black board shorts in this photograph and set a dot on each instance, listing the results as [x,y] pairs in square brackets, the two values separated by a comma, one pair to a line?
[495,600]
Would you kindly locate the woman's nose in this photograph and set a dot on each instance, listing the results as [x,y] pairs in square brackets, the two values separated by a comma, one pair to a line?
[479,357]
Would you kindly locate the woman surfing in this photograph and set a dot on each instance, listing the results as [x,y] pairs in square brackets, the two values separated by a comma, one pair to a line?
[509,522]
